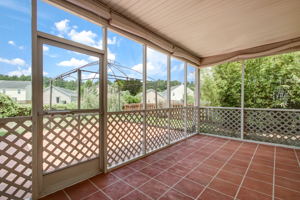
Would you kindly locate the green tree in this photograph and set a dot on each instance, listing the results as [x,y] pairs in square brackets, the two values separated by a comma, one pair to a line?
[270,82]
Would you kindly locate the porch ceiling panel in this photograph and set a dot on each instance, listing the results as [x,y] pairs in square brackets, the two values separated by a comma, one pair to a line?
[209,28]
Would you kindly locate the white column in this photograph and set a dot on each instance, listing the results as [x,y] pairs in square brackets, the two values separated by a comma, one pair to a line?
[144,97]
[242,99]
[37,106]
[103,102]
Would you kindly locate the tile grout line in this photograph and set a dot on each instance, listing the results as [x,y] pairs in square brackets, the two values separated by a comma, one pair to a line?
[67,194]
[225,163]
[99,190]
[162,171]
[240,186]
[274,167]
[297,158]
[194,168]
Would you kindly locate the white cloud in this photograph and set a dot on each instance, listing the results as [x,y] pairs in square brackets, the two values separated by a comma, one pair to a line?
[62,26]
[45,48]
[85,37]
[111,56]
[73,62]
[112,41]
[15,61]
[151,69]
[20,72]
[11,43]
[93,58]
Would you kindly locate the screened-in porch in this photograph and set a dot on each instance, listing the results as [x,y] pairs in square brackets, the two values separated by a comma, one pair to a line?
[128,100]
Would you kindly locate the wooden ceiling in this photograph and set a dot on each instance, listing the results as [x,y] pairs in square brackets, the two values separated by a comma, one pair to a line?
[215,27]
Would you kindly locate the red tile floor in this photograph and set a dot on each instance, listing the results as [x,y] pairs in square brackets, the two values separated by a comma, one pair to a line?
[201,167]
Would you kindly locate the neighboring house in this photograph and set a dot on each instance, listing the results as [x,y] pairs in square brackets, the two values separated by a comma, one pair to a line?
[59,95]
[177,94]
[20,91]
[151,96]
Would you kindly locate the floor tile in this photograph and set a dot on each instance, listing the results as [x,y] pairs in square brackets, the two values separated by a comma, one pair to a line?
[179,170]
[247,194]
[151,171]
[189,188]
[174,195]
[287,174]
[241,163]
[235,169]
[161,164]
[259,186]
[261,168]
[230,177]
[136,179]
[118,190]
[135,195]
[103,180]
[223,187]
[168,178]
[60,195]
[138,165]
[97,196]
[154,189]
[206,169]
[284,193]
[290,184]
[199,177]
[260,176]
[123,172]
[210,194]
[213,163]
[80,190]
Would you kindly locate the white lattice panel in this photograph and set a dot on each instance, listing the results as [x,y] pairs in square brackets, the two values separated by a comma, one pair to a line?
[177,124]
[69,139]
[157,135]
[124,137]
[15,158]
[220,121]
[191,117]
[273,126]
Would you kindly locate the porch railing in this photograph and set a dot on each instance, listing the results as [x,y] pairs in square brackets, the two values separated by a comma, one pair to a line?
[71,139]
[281,126]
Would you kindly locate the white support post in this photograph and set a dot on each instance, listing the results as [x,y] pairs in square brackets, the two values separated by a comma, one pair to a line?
[185,98]
[103,103]
[197,97]
[169,95]
[144,97]
[78,89]
[242,100]
[37,106]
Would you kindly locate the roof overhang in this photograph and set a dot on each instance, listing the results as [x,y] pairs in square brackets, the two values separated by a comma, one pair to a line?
[201,32]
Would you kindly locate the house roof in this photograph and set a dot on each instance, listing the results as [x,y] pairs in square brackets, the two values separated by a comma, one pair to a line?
[8,84]
[65,91]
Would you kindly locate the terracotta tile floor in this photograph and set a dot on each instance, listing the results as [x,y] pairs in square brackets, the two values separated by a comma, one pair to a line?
[201,167]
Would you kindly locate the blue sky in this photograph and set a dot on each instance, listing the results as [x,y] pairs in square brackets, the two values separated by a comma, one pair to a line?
[15,42]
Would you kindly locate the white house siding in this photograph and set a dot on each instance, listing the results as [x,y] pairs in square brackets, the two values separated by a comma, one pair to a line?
[55,94]
[13,93]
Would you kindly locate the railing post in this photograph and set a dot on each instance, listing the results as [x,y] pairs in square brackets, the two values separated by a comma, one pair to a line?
[144,98]
[103,103]
[37,107]
[169,95]
[242,99]
[185,99]
[197,98]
